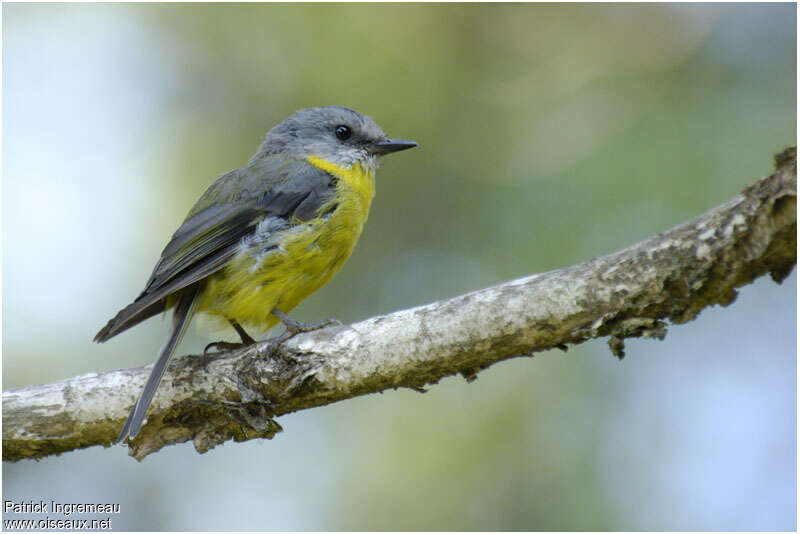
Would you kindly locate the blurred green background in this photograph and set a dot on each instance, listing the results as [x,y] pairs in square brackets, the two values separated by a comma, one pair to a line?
[549,134]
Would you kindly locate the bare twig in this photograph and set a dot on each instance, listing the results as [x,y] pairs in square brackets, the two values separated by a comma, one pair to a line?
[236,395]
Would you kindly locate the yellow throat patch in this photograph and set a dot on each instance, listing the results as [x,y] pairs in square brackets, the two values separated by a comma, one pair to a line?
[356,178]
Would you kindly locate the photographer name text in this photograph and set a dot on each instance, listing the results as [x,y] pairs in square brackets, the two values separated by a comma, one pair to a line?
[53,507]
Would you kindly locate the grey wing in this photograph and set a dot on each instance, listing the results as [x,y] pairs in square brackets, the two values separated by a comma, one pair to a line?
[211,236]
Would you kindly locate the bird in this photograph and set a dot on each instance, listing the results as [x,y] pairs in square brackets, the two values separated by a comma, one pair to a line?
[263,237]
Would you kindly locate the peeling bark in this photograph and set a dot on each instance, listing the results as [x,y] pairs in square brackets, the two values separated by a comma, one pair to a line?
[210,399]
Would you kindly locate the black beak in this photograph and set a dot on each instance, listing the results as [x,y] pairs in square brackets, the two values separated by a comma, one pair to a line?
[391,145]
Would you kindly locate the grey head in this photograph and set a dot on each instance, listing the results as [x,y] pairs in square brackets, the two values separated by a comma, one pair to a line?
[336,134]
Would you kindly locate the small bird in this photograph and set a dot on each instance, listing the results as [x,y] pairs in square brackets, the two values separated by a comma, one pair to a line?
[265,236]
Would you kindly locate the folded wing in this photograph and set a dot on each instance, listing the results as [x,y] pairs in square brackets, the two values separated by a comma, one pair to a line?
[212,233]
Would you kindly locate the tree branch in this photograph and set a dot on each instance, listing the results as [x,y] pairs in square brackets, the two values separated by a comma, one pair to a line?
[631,293]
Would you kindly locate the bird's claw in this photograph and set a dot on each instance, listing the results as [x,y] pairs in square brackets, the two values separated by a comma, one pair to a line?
[223,346]
[295,327]
[305,327]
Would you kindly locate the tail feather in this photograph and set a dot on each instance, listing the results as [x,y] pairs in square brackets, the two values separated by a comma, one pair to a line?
[182,315]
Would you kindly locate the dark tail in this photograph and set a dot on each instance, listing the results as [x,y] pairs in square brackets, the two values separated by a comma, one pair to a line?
[180,320]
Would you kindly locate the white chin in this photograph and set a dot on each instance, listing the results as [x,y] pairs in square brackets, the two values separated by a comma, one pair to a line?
[370,161]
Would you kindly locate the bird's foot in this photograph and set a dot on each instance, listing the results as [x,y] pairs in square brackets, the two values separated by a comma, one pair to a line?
[224,346]
[296,327]
[292,329]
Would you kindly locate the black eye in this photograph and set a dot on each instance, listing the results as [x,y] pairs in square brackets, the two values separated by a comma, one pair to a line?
[343,132]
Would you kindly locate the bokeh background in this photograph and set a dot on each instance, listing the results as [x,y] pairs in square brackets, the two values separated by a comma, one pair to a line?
[550,134]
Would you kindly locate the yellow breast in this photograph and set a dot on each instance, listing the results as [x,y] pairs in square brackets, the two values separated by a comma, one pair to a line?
[310,254]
